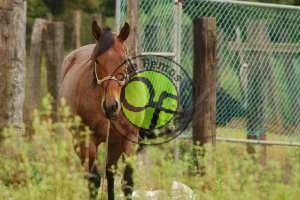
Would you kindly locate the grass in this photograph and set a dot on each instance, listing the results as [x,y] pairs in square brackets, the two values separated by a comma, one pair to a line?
[44,166]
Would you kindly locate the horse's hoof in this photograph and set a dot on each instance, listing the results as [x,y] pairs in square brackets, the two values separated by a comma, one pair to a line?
[95,180]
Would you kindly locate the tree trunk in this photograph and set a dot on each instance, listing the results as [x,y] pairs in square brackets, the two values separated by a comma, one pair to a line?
[12,62]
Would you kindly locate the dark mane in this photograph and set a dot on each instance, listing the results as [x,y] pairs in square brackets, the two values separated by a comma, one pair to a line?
[104,43]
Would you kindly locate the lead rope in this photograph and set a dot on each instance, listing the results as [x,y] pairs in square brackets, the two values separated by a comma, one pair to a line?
[106,157]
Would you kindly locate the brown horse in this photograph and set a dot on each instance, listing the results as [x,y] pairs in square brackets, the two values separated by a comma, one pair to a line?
[87,73]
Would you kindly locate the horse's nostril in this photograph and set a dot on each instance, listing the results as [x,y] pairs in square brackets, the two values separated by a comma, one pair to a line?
[112,108]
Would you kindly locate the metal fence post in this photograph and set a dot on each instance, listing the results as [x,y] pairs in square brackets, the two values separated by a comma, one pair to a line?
[177,49]
[118,15]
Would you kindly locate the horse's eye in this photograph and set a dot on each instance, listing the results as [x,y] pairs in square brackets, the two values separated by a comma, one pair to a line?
[120,77]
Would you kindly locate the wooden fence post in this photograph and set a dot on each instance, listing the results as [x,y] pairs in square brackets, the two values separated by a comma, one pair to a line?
[133,39]
[204,122]
[54,51]
[76,28]
[12,63]
[35,64]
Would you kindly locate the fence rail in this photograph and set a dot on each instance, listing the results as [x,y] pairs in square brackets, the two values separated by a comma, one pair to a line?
[264,142]
[272,47]
[260,5]
[249,141]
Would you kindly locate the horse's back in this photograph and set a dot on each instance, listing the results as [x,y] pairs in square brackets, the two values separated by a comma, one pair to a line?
[76,57]
[73,72]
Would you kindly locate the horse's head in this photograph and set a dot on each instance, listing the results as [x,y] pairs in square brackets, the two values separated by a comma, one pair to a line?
[108,55]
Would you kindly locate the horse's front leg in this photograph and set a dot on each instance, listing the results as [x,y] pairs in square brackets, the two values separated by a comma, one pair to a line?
[87,153]
[128,181]
[110,183]
[113,154]
[115,150]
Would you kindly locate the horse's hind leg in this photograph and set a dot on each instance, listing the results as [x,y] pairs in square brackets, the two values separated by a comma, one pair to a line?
[87,153]
[128,181]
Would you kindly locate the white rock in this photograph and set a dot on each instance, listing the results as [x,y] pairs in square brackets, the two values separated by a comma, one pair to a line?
[149,195]
[181,191]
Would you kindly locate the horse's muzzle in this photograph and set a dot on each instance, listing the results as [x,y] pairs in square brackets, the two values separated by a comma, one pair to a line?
[111,109]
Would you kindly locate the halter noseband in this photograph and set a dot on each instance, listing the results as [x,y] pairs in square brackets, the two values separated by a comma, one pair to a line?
[100,81]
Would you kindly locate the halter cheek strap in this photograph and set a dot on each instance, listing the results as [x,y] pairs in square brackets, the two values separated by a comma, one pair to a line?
[100,81]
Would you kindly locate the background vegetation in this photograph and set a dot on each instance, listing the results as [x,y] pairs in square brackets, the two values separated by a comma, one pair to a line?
[104,9]
[44,165]
[62,10]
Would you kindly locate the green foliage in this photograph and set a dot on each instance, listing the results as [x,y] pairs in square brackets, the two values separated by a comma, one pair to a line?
[44,166]
[55,6]
[230,173]
[61,7]
[36,8]
[229,81]
[89,6]
[62,10]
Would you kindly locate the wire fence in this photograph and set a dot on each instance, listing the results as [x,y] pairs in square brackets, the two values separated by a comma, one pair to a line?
[258,73]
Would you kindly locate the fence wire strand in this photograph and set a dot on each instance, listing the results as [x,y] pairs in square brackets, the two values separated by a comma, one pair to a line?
[258,50]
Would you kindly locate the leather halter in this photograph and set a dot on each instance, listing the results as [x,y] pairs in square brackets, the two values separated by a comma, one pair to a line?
[100,81]
[121,82]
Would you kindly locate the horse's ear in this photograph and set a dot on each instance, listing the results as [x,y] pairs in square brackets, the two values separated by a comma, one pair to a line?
[96,30]
[123,35]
